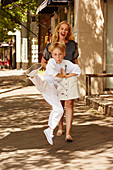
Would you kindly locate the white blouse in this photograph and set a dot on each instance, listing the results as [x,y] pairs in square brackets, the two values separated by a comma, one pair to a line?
[53,68]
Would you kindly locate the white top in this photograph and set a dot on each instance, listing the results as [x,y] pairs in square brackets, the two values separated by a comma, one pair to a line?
[53,68]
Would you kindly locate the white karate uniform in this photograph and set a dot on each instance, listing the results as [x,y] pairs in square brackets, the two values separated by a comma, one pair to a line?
[47,85]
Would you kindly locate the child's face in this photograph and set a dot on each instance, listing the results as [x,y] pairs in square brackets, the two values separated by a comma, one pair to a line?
[58,55]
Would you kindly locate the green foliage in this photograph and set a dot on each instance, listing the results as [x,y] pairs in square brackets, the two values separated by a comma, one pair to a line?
[12,15]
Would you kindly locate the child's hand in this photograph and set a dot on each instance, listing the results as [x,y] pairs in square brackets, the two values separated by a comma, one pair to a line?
[63,72]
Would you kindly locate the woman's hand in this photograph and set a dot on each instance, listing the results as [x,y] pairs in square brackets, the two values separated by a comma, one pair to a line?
[76,61]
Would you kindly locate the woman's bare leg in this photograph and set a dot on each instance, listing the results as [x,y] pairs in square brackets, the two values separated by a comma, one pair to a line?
[69,115]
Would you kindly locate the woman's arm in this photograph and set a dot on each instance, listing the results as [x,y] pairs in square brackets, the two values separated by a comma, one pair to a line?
[46,55]
[44,63]
[76,61]
[76,54]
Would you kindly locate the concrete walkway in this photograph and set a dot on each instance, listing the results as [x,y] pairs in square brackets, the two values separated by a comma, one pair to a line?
[23,117]
[14,72]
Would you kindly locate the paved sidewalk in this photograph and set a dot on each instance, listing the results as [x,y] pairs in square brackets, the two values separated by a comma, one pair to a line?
[23,117]
[12,79]
[14,72]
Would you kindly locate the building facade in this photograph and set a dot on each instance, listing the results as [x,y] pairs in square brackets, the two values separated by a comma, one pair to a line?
[95,42]
[92,24]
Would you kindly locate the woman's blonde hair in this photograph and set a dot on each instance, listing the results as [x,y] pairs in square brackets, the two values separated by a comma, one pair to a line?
[70,36]
[58,45]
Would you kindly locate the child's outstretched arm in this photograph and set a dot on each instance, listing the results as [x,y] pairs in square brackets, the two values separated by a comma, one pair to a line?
[73,69]
[70,75]
[63,72]
[64,75]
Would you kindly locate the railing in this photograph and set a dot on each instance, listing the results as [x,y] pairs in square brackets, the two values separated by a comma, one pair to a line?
[88,80]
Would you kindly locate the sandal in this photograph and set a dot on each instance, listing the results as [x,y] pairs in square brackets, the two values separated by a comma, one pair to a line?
[60,132]
[69,138]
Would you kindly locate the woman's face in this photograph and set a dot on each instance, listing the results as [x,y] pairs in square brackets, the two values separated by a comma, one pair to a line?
[63,31]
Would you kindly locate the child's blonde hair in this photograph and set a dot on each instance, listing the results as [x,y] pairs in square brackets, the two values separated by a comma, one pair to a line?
[57,45]
[70,36]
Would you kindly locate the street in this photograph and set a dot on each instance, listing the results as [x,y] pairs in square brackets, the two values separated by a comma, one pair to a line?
[23,146]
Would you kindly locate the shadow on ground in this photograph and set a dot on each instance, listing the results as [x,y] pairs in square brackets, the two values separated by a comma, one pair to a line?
[23,119]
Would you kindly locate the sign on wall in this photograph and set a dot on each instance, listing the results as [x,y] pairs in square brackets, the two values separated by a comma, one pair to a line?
[34,48]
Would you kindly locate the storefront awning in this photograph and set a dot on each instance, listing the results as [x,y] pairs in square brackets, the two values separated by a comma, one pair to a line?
[59,0]
[49,6]
[42,6]
[4,44]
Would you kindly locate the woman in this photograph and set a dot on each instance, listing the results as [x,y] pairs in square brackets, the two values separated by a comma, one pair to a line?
[63,34]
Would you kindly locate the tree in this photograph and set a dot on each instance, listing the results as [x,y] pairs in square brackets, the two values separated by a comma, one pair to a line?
[6,2]
[12,16]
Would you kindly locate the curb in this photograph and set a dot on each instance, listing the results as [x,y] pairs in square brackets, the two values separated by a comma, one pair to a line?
[102,105]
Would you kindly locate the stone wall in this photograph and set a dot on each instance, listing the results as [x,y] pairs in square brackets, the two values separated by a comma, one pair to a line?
[90,26]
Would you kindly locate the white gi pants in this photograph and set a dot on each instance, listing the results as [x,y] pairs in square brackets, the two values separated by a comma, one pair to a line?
[49,93]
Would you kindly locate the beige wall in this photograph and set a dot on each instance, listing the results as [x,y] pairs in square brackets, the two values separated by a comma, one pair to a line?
[89,21]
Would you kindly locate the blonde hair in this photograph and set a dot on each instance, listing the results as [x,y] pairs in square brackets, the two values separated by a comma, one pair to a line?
[57,45]
[70,36]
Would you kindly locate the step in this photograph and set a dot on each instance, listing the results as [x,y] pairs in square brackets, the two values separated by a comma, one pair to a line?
[102,103]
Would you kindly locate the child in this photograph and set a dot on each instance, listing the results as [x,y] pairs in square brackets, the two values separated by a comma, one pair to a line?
[56,69]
